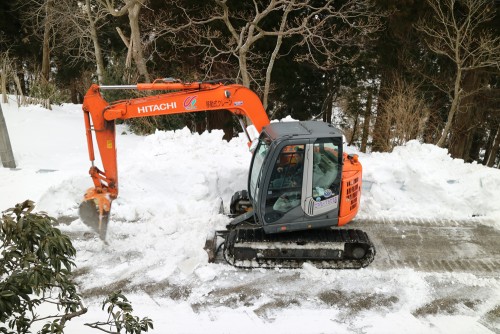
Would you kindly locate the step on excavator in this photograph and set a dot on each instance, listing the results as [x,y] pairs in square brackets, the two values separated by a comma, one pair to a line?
[302,187]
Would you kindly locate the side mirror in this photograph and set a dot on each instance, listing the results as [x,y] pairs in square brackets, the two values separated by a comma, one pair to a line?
[253,145]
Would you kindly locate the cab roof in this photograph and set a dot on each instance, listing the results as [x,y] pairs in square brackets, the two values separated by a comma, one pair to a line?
[301,130]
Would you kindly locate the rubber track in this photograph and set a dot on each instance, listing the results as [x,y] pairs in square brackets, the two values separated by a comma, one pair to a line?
[324,236]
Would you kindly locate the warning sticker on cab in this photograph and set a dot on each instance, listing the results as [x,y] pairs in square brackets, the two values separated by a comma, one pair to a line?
[326,202]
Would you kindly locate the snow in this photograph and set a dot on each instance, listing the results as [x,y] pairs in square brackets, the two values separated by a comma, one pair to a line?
[171,183]
[422,180]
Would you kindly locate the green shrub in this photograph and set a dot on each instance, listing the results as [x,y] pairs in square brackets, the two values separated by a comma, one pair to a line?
[35,267]
[42,90]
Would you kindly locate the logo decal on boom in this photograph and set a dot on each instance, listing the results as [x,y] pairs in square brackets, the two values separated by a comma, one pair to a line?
[156,107]
[190,103]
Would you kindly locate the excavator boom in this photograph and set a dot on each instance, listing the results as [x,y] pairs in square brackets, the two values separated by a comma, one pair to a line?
[179,97]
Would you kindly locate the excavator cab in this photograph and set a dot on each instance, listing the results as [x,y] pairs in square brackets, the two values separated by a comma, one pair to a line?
[295,176]
[301,187]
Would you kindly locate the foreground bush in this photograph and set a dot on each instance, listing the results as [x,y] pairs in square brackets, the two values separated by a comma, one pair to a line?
[36,263]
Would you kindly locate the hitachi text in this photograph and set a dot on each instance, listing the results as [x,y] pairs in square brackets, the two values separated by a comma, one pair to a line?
[156,107]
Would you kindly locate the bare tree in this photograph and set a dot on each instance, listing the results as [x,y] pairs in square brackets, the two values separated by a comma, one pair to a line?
[132,8]
[311,23]
[78,31]
[38,15]
[455,30]
[406,113]
[7,72]
[67,25]
[94,15]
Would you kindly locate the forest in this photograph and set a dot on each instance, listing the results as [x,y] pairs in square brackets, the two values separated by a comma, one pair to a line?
[385,72]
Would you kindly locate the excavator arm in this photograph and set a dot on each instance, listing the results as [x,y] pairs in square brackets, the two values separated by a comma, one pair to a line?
[100,116]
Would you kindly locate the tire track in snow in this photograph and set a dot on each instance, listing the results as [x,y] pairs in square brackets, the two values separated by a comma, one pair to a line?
[434,245]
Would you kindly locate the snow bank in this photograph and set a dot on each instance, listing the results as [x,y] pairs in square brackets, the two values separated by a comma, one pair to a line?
[174,172]
[422,180]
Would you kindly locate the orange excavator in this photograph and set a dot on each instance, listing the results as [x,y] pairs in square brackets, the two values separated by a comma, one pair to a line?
[302,187]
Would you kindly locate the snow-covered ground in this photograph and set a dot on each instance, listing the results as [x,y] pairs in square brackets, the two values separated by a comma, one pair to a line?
[170,186]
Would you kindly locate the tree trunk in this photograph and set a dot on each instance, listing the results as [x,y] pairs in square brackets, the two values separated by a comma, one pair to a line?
[489,142]
[327,113]
[269,69]
[475,147]
[97,47]
[366,123]
[434,123]
[22,80]
[381,129]
[354,128]
[221,119]
[466,119]
[135,40]
[3,81]
[46,41]
[21,98]
[242,60]
[73,92]
[6,154]
[494,150]
[453,108]
[200,122]
[276,50]
[460,134]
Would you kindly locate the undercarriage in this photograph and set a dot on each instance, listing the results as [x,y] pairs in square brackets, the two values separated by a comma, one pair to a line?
[324,248]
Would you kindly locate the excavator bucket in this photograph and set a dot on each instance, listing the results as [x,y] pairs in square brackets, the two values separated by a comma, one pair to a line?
[94,212]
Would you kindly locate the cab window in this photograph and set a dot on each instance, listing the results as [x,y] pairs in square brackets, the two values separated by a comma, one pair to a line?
[285,185]
[258,159]
[326,177]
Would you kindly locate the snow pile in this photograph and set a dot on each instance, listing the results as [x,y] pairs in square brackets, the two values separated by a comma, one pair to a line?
[171,185]
[422,180]
[177,172]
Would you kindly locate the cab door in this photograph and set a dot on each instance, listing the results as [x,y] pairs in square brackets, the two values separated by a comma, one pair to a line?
[321,190]
[284,182]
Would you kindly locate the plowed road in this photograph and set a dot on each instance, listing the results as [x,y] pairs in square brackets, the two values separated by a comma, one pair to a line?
[434,245]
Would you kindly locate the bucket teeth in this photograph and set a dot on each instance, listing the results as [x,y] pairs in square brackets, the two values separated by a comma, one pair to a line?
[211,246]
